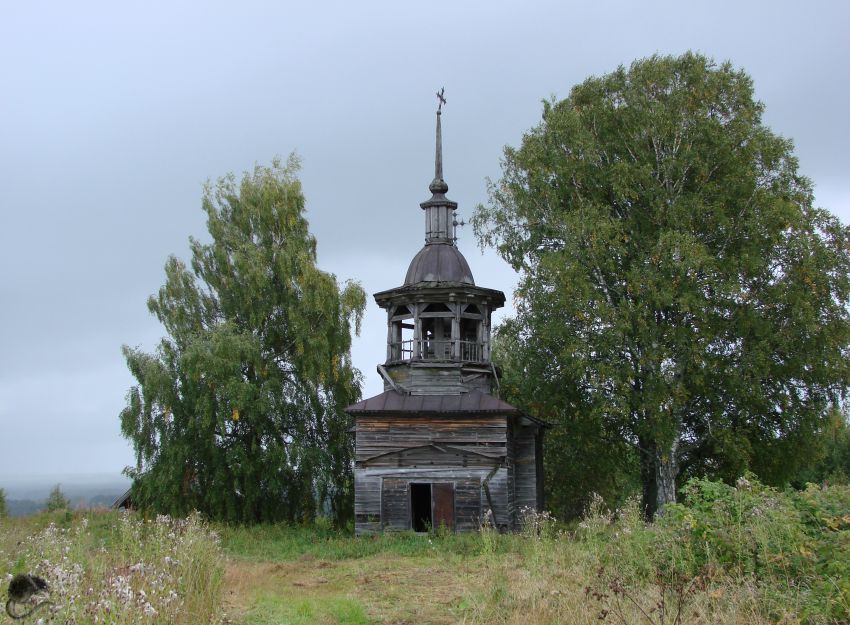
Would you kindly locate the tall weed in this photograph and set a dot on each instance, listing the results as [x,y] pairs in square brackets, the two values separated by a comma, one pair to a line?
[161,571]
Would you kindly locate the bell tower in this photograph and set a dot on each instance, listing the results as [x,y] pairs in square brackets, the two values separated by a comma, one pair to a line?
[438,321]
[438,448]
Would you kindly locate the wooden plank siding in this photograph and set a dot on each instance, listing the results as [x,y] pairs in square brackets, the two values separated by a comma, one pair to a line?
[467,504]
[367,502]
[438,455]
[510,521]
[376,435]
[525,468]
[395,503]
[430,380]
[382,496]
[477,453]
[501,497]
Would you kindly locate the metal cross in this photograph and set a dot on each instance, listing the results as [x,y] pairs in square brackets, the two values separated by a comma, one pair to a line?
[441,98]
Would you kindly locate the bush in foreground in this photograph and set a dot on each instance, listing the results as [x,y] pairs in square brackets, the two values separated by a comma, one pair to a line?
[780,556]
[727,554]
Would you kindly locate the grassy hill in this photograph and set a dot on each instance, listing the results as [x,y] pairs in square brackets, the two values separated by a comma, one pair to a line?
[745,554]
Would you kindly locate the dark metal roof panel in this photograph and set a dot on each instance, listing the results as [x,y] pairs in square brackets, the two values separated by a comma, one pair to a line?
[472,402]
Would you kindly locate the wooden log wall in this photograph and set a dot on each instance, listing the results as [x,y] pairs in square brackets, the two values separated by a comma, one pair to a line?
[382,436]
[382,496]
[469,451]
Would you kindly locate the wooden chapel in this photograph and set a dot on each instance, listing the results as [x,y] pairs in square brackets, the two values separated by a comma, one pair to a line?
[438,447]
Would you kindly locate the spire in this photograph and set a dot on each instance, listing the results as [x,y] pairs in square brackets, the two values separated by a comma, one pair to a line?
[439,210]
[438,185]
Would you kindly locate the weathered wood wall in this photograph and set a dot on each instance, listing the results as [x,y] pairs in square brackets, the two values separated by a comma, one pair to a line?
[511,463]
[490,460]
[525,468]
[392,451]
[382,496]
[387,441]
[425,378]
[395,500]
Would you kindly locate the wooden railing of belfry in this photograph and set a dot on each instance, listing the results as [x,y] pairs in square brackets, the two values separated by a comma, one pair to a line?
[436,349]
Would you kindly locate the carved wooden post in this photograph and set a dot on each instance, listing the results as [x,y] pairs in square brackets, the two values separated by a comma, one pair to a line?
[390,335]
[456,350]
[417,332]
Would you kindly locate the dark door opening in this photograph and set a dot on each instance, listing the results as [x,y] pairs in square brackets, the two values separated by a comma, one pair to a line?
[420,507]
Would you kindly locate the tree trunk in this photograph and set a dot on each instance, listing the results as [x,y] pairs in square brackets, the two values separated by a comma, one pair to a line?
[666,470]
[658,471]
[649,500]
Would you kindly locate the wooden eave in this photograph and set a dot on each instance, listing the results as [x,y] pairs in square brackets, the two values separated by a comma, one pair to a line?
[439,292]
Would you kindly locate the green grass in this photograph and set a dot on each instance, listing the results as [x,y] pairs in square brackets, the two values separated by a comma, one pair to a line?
[276,543]
[272,608]
[727,555]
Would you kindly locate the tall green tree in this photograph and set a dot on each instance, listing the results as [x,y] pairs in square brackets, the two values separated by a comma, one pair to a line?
[677,282]
[239,412]
[581,457]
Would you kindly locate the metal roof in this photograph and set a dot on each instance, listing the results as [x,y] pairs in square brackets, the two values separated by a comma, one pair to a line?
[472,402]
[439,262]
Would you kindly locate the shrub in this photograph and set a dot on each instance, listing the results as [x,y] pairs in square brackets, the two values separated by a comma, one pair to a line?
[796,545]
[825,515]
[747,529]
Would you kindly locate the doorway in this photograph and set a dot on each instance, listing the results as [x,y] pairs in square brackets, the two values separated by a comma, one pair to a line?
[432,505]
[420,507]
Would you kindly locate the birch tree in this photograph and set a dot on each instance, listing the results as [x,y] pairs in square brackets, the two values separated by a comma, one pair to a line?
[239,412]
[677,281]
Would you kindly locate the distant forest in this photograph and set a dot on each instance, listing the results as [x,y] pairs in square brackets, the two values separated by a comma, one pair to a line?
[23,507]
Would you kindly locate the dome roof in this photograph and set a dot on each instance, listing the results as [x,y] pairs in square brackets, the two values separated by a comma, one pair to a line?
[439,263]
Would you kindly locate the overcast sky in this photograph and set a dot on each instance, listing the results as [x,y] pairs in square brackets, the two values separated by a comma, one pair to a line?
[113,114]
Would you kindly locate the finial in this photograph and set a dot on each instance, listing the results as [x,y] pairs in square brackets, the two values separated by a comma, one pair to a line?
[441,99]
[438,185]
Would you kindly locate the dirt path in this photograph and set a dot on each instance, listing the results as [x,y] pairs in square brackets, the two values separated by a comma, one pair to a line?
[377,589]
